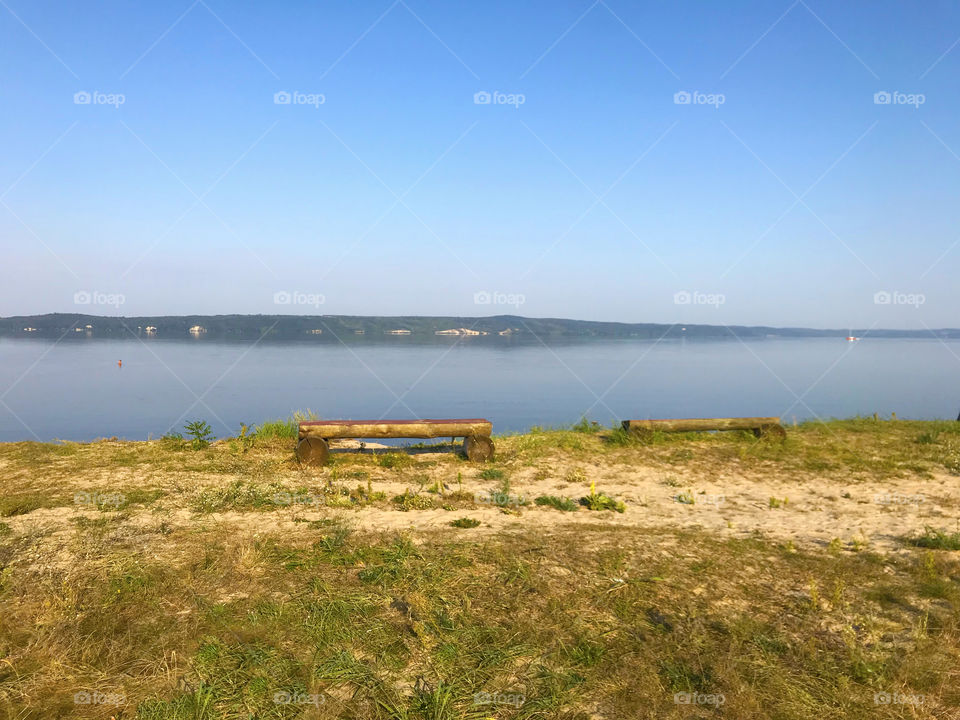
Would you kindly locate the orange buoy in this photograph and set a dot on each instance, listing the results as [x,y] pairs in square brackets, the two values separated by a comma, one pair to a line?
[119,363]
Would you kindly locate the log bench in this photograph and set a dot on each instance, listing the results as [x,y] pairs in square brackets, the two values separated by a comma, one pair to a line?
[313,448]
[761,426]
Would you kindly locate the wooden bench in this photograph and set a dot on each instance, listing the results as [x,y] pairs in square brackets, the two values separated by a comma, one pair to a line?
[313,449]
[761,426]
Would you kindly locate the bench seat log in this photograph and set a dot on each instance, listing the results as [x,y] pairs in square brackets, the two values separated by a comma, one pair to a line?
[328,429]
[759,425]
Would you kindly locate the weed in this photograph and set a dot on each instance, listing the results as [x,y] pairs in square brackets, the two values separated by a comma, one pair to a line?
[585,426]
[937,540]
[600,501]
[277,429]
[244,441]
[412,501]
[173,441]
[560,503]
[200,433]
[394,460]
[686,498]
[576,476]
[619,436]
[465,522]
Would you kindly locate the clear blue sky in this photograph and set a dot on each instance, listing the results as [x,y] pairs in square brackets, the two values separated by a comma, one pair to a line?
[200,194]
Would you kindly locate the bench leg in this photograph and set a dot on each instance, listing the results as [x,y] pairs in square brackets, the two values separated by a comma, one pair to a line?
[477,448]
[313,451]
[770,431]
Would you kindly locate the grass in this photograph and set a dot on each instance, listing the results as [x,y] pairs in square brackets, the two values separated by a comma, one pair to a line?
[559,503]
[937,540]
[369,625]
[394,460]
[465,522]
[276,429]
[492,474]
[198,595]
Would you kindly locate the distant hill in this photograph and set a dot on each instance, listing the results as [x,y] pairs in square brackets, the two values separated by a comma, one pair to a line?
[321,328]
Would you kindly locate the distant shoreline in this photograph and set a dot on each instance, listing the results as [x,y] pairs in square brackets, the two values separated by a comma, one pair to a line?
[341,327]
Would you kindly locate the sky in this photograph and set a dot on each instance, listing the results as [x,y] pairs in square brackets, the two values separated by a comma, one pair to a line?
[758,163]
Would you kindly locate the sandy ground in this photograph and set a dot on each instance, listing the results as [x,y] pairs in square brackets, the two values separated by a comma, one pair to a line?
[809,510]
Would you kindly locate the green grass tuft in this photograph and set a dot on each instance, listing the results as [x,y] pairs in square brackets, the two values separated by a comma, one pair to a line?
[600,501]
[560,503]
[937,540]
[465,522]
[394,460]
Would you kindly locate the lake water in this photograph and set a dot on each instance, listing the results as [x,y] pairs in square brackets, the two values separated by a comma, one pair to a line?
[74,390]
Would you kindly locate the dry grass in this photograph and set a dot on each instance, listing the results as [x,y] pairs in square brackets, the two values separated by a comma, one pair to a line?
[211,583]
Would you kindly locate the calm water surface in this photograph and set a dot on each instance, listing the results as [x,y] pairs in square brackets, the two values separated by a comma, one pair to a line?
[74,390]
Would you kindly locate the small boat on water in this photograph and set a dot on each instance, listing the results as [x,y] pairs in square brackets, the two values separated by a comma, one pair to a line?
[851,338]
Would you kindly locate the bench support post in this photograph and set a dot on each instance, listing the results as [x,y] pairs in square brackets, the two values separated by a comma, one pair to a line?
[478,448]
[313,451]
